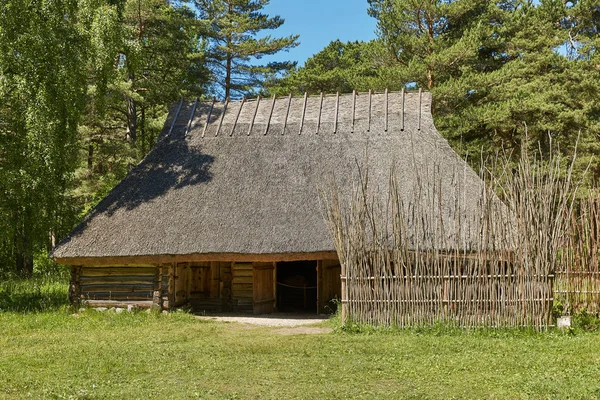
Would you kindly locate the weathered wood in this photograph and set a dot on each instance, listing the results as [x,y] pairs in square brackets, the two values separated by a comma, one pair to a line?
[117,296]
[115,280]
[124,288]
[74,287]
[144,261]
[88,271]
[263,295]
[157,295]
[117,303]
[214,280]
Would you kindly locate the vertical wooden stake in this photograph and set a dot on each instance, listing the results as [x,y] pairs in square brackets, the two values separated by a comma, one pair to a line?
[386,108]
[176,116]
[212,106]
[370,102]
[320,111]
[303,113]
[189,125]
[337,109]
[222,116]
[353,109]
[403,100]
[420,105]
[270,115]
[287,113]
[237,116]
[254,116]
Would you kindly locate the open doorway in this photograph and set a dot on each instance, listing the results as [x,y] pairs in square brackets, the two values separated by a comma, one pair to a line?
[297,286]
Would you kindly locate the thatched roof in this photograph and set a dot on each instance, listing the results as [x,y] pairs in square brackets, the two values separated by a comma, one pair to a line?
[246,182]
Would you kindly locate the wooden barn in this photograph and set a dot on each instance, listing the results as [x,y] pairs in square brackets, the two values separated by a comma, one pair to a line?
[225,212]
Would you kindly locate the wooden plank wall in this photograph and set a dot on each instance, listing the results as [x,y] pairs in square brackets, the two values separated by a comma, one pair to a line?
[263,287]
[330,284]
[117,286]
[242,290]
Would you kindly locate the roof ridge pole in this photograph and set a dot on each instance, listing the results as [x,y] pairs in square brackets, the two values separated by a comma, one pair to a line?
[270,115]
[386,108]
[337,109]
[254,116]
[353,109]
[176,116]
[209,115]
[222,116]
[370,101]
[320,111]
[287,113]
[189,125]
[403,99]
[303,113]
[420,105]
[237,116]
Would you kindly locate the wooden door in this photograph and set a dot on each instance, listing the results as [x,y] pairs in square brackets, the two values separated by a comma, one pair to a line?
[199,280]
[263,282]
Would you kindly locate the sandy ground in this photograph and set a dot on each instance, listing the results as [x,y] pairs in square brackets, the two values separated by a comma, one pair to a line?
[274,320]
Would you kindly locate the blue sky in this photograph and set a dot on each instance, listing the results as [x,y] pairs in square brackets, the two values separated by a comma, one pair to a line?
[319,22]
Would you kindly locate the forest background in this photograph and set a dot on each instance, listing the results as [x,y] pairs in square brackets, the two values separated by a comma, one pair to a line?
[85,87]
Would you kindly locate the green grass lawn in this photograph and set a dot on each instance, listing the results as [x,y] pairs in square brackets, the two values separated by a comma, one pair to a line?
[53,354]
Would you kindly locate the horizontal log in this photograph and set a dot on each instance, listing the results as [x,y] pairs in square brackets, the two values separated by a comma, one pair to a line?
[439,277]
[458,301]
[243,294]
[264,301]
[117,296]
[117,303]
[118,271]
[242,280]
[241,286]
[117,280]
[117,288]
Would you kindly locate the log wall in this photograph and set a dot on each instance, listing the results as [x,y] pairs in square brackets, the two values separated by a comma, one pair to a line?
[208,286]
[118,286]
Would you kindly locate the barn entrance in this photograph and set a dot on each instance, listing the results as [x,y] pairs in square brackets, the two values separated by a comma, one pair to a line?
[297,286]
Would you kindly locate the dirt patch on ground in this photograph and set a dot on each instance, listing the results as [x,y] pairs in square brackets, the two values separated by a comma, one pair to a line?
[303,330]
[275,320]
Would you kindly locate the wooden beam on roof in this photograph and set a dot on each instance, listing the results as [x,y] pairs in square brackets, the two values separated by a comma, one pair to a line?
[165,258]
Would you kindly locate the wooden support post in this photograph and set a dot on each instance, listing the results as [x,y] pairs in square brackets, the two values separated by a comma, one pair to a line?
[319,284]
[344,292]
[171,289]
[275,286]
[157,295]
[75,288]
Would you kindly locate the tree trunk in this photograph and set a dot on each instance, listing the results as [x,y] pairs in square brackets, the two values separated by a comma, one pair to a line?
[143,138]
[24,256]
[90,157]
[131,120]
[228,77]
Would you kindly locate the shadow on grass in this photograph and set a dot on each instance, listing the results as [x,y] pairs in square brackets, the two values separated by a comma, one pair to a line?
[33,295]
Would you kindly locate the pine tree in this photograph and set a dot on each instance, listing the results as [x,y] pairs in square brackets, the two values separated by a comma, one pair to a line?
[339,67]
[233,39]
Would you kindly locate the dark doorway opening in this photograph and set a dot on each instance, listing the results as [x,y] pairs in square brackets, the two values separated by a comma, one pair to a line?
[297,286]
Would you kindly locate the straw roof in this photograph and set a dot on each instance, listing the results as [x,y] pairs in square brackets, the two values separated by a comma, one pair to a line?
[243,177]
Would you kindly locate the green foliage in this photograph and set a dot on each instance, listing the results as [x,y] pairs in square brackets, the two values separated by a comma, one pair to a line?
[45,293]
[234,40]
[43,52]
[339,67]
[84,92]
